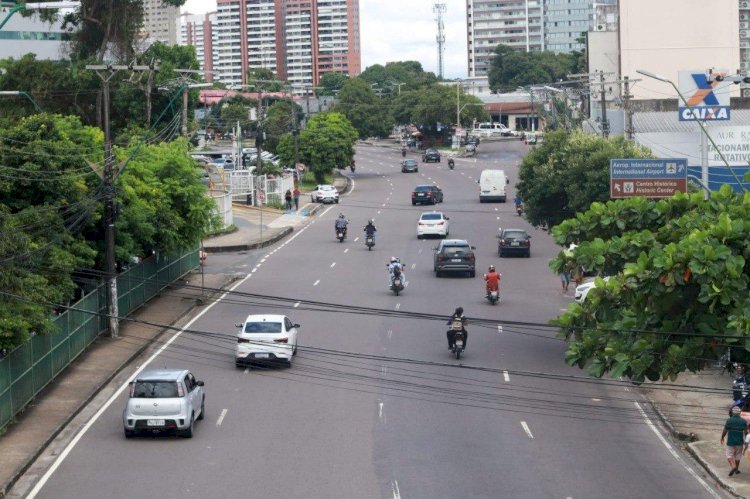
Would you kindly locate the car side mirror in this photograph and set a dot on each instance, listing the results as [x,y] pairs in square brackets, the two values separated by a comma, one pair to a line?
[295,325]
[238,325]
[447,218]
[199,383]
[473,247]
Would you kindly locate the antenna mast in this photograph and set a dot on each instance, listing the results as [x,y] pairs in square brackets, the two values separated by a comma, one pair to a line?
[439,9]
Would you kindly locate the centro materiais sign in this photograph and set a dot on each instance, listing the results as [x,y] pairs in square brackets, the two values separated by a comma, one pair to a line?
[707,100]
[651,178]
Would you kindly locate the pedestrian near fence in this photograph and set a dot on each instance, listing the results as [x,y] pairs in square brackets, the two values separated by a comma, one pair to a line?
[565,280]
[296,194]
[288,199]
[735,431]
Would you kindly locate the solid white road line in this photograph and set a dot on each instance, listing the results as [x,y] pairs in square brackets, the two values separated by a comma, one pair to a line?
[506,377]
[526,429]
[221,417]
[396,492]
[316,282]
[333,264]
[675,454]
[398,305]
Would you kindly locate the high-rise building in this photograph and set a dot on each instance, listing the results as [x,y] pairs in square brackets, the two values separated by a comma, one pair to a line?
[567,21]
[517,23]
[745,43]
[160,22]
[22,35]
[198,32]
[300,40]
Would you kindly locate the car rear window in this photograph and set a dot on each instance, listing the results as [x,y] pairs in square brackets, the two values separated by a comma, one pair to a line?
[155,389]
[410,162]
[515,235]
[262,327]
[432,216]
[422,188]
[455,250]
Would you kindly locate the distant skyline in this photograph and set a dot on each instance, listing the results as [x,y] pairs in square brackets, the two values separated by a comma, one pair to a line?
[400,30]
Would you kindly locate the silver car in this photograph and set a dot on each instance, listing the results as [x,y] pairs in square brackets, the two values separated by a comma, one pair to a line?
[164,401]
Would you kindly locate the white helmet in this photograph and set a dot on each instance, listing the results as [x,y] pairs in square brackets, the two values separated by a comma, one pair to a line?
[394,259]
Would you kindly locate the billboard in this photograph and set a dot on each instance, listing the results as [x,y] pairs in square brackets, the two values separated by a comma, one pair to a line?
[707,100]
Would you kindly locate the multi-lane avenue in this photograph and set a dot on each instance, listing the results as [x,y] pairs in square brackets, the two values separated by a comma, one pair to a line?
[374,406]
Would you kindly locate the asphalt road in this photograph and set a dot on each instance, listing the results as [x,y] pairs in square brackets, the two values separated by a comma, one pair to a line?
[374,405]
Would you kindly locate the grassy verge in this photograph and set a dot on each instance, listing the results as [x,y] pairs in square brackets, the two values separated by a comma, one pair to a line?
[220,232]
[308,182]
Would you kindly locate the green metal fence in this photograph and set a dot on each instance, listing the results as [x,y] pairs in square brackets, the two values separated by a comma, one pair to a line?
[26,370]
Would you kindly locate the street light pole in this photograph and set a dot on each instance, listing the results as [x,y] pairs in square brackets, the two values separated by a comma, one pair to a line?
[23,94]
[37,6]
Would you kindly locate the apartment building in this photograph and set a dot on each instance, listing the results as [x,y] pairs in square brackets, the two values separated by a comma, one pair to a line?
[160,22]
[197,31]
[299,40]
[566,22]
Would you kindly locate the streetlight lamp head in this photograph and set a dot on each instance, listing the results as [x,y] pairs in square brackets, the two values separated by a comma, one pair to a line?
[652,75]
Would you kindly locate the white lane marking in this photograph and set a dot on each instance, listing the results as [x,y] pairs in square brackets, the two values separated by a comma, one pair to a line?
[221,417]
[356,239]
[247,370]
[498,218]
[383,205]
[263,259]
[85,428]
[420,250]
[462,173]
[390,332]
[495,209]
[378,212]
[499,328]
[674,453]
[346,250]
[526,429]
[296,305]
[396,492]
[627,389]
[316,282]
[398,305]
[413,265]
[253,271]
[384,371]
[333,264]
[380,410]
[506,376]
[596,400]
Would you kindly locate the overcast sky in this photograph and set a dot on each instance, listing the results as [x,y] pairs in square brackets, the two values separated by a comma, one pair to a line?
[401,30]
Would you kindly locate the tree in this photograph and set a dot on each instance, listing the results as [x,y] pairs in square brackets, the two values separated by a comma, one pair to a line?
[408,73]
[282,118]
[264,79]
[326,143]
[331,83]
[567,172]
[366,112]
[678,295]
[510,69]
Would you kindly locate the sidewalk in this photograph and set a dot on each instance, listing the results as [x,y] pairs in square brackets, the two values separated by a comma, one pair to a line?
[43,420]
[696,418]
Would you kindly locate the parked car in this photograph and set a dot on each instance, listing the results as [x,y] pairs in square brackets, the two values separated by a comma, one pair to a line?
[409,165]
[433,223]
[427,194]
[266,338]
[325,194]
[431,155]
[514,241]
[454,255]
[164,400]
[582,290]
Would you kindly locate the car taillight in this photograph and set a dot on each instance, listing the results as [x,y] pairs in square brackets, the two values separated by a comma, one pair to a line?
[281,340]
[429,194]
[441,258]
[502,241]
[180,390]
[242,340]
[441,223]
[132,389]
[413,194]
[471,257]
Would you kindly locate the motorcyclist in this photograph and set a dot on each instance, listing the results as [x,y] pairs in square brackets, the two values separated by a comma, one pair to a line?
[352,165]
[341,223]
[451,163]
[492,280]
[395,268]
[403,152]
[457,319]
[370,228]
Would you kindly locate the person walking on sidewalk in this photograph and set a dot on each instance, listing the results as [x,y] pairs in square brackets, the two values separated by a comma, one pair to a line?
[735,431]
[296,194]
[288,199]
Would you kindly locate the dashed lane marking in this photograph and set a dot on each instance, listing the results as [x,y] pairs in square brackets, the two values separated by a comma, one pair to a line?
[346,250]
[396,491]
[506,377]
[390,332]
[316,282]
[499,328]
[221,417]
[333,264]
[296,305]
[398,305]
[413,265]
[526,429]
[356,239]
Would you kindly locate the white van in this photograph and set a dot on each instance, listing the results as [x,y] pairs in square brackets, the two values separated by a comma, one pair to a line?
[492,186]
[491,130]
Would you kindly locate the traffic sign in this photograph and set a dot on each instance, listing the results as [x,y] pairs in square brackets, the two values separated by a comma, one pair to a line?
[651,178]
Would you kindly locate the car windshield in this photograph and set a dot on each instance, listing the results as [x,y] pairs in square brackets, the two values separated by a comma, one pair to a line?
[423,188]
[155,389]
[262,327]
[326,188]
[455,250]
[410,162]
[515,235]
[432,216]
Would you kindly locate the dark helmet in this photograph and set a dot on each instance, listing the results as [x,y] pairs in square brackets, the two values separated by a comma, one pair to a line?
[459,311]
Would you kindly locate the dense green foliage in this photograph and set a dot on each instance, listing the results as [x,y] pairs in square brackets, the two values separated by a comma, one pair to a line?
[326,143]
[435,104]
[331,83]
[678,297]
[366,111]
[567,172]
[510,68]
[386,78]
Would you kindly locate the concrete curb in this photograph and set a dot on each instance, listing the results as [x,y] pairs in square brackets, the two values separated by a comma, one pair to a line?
[5,487]
[285,231]
[690,439]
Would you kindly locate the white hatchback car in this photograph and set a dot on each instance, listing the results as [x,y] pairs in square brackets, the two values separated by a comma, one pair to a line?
[433,223]
[325,194]
[266,338]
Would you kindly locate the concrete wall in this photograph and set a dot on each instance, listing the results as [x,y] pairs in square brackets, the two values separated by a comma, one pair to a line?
[667,36]
[22,35]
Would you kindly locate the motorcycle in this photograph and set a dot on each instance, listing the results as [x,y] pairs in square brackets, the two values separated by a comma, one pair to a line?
[351,167]
[341,235]
[493,296]
[398,282]
[403,153]
[369,241]
[519,209]
[451,164]
[458,344]
[741,385]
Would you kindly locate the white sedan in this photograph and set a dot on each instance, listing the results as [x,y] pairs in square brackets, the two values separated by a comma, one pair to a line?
[433,223]
[266,338]
[325,194]
[582,290]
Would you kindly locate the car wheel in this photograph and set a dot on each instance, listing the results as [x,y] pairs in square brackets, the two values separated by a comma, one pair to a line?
[500,253]
[416,171]
[419,237]
[472,273]
[528,254]
[129,433]
[413,203]
[188,432]
[203,408]
[337,201]
[294,349]
[438,160]
[438,273]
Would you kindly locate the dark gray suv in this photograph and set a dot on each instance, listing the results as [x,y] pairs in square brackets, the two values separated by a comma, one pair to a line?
[454,255]
[164,401]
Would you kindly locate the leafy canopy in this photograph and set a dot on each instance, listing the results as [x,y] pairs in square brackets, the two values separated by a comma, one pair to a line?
[510,68]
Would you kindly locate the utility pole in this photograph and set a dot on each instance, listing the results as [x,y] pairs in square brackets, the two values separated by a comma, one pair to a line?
[626,96]
[605,123]
[106,72]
